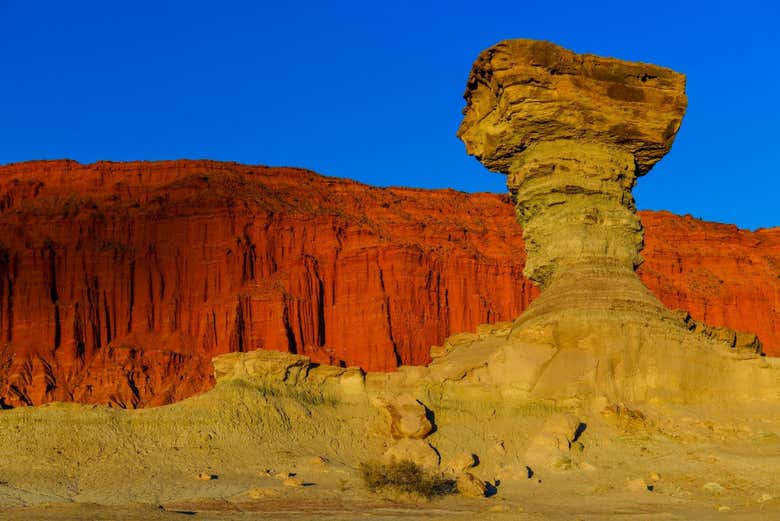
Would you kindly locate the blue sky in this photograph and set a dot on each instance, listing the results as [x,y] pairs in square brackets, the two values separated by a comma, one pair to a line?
[373,90]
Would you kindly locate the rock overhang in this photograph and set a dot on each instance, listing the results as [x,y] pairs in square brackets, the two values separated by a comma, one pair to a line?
[524,92]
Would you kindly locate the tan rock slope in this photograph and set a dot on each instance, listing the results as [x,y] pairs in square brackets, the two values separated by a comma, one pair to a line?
[597,403]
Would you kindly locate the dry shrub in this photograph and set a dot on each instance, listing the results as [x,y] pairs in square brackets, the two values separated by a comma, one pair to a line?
[405,477]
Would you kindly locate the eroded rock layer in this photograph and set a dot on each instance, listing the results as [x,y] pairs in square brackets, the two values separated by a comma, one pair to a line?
[572,133]
[524,92]
[595,330]
[120,281]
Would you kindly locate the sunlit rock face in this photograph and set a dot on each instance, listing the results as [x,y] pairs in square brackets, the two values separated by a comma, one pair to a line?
[572,133]
[523,92]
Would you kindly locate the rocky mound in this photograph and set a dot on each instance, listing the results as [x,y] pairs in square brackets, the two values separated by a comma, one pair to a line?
[120,281]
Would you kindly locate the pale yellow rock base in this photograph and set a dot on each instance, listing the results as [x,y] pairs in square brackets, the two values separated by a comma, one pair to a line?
[577,457]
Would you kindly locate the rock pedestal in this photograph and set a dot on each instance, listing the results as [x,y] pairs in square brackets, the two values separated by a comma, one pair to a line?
[572,133]
[582,232]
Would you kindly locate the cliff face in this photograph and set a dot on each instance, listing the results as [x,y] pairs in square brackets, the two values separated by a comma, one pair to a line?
[120,281]
[723,275]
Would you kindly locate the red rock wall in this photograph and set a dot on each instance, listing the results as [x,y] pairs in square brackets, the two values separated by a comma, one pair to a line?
[723,275]
[120,281]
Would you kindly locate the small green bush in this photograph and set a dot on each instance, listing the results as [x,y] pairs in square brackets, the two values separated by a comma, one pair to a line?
[405,477]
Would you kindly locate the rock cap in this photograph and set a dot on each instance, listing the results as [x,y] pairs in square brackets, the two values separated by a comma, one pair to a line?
[522,92]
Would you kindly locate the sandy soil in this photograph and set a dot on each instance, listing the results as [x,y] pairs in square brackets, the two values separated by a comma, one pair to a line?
[67,461]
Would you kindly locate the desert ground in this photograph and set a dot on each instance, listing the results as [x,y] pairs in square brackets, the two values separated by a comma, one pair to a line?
[70,461]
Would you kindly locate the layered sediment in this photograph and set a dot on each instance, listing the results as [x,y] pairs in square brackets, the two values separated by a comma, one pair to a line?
[120,281]
[572,133]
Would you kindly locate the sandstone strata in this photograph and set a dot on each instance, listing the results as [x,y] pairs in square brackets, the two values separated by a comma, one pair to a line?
[120,281]
[572,133]
[524,92]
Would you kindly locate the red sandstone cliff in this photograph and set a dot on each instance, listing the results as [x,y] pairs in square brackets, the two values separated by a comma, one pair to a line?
[119,281]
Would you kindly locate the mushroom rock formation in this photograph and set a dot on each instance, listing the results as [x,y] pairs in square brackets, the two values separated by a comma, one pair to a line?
[572,133]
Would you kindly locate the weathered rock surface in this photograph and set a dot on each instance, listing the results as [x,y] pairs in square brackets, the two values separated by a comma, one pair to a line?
[572,133]
[523,92]
[120,281]
[409,449]
[692,265]
[470,486]
[407,417]
[595,329]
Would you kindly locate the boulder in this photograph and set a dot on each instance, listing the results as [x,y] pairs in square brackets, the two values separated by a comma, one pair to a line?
[417,451]
[470,486]
[408,418]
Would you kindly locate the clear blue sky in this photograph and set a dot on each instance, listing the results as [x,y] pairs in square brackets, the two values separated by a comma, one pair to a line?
[373,90]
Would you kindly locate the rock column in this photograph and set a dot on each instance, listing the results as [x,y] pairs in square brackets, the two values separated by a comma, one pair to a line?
[572,133]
